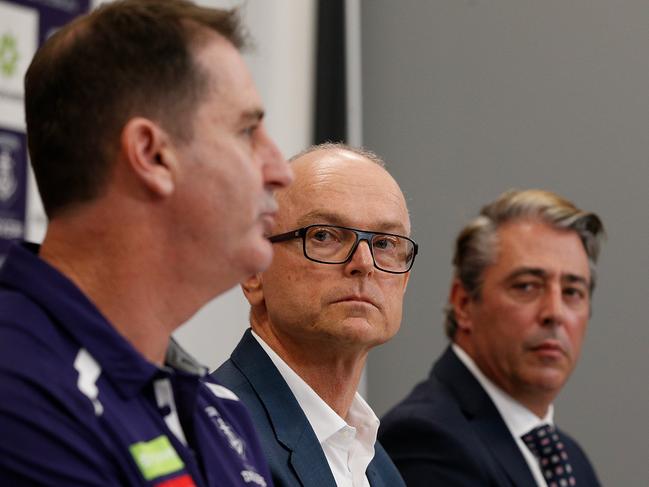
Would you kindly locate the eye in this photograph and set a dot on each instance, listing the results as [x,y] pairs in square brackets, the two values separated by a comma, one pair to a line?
[385,242]
[325,235]
[525,286]
[574,293]
[321,235]
[526,289]
[250,130]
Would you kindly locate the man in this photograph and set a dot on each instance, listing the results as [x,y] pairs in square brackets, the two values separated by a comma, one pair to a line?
[518,310]
[333,292]
[155,170]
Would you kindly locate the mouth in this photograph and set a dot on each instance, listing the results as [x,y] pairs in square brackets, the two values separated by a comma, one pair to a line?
[355,299]
[549,348]
[267,221]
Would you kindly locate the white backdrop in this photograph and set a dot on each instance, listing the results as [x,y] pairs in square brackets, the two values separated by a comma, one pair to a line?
[282,64]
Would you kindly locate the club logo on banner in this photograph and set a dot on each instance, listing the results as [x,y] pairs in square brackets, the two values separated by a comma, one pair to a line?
[13,173]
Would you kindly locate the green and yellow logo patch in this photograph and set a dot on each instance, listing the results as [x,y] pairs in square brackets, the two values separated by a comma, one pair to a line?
[156,457]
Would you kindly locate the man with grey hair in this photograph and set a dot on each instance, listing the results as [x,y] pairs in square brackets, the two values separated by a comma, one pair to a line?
[518,308]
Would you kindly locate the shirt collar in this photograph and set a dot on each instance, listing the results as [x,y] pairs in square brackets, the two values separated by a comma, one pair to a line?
[517,417]
[324,420]
[179,359]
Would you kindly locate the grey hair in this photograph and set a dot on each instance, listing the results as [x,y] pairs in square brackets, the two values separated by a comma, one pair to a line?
[476,245]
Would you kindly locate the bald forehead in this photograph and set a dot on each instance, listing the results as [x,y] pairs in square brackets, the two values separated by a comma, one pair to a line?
[345,185]
[331,163]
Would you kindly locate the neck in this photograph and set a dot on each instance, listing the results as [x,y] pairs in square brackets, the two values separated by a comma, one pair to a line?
[334,374]
[126,284]
[538,405]
[535,399]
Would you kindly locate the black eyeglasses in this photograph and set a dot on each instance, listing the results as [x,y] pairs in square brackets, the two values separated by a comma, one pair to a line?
[333,244]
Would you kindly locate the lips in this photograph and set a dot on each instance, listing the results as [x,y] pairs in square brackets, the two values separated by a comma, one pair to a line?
[355,298]
[549,347]
[268,214]
[267,222]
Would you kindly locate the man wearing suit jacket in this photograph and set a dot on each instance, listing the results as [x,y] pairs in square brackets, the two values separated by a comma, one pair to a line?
[518,309]
[334,291]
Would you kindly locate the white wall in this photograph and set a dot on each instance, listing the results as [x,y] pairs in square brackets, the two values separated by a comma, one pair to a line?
[282,65]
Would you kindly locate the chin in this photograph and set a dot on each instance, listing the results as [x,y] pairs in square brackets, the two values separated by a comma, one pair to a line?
[552,380]
[362,331]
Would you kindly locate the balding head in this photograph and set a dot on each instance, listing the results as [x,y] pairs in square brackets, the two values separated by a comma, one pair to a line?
[334,169]
[350,303]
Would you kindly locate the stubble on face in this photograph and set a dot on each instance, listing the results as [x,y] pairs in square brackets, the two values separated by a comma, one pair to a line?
[230,170]
[527,326]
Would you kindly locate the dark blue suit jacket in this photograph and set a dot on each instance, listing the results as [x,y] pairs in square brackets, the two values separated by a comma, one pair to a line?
[288,441]
[448,432]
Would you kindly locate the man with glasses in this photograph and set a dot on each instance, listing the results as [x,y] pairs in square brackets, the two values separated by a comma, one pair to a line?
[518,309]
[333,292]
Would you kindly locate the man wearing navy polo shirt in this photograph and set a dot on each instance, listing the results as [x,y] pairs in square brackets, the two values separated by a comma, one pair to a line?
[155,170]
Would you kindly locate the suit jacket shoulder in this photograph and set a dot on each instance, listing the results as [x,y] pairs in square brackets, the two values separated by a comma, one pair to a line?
[288,441]
[448,432]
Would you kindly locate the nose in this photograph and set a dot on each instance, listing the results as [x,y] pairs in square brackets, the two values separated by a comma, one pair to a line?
[552,306]
[277,172]
[361,262]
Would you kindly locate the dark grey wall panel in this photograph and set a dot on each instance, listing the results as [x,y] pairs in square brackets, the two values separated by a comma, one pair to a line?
[466,98]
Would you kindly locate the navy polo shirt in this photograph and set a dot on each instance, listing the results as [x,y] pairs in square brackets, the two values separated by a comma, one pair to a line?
[79,406]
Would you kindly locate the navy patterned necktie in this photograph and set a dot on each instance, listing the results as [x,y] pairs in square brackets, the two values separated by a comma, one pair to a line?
[544,442]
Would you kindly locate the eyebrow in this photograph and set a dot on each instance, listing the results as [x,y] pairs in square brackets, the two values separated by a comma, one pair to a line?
[255,114]
[542,274]
[329,218]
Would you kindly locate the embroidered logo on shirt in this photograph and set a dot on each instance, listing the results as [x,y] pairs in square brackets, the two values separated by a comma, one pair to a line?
[250,477]
[156,457]
[226,430]
[89,371]
[222,392]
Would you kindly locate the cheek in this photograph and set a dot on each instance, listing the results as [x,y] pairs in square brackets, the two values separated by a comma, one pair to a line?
[518,319]
[294,288]
[393,293]
[576,329]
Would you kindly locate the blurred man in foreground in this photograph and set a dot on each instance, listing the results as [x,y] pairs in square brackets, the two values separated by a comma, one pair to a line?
[146,137]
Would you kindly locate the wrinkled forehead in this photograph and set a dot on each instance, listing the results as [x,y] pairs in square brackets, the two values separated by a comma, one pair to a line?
[340,187]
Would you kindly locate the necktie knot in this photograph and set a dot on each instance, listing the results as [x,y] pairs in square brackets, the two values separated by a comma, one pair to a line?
[546,445]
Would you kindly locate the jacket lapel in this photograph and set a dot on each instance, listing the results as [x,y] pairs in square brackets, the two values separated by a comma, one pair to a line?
[373,476]
[484,417]
[288,421]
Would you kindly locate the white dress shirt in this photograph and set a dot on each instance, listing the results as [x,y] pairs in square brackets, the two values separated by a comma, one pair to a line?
[517,417]
[348,445]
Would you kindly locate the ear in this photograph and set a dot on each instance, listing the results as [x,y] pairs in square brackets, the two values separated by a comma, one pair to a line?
[149,153]
[253,290]
[461,302]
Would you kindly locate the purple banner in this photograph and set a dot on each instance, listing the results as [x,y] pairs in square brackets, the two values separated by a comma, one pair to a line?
[13,191]
[54,13]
